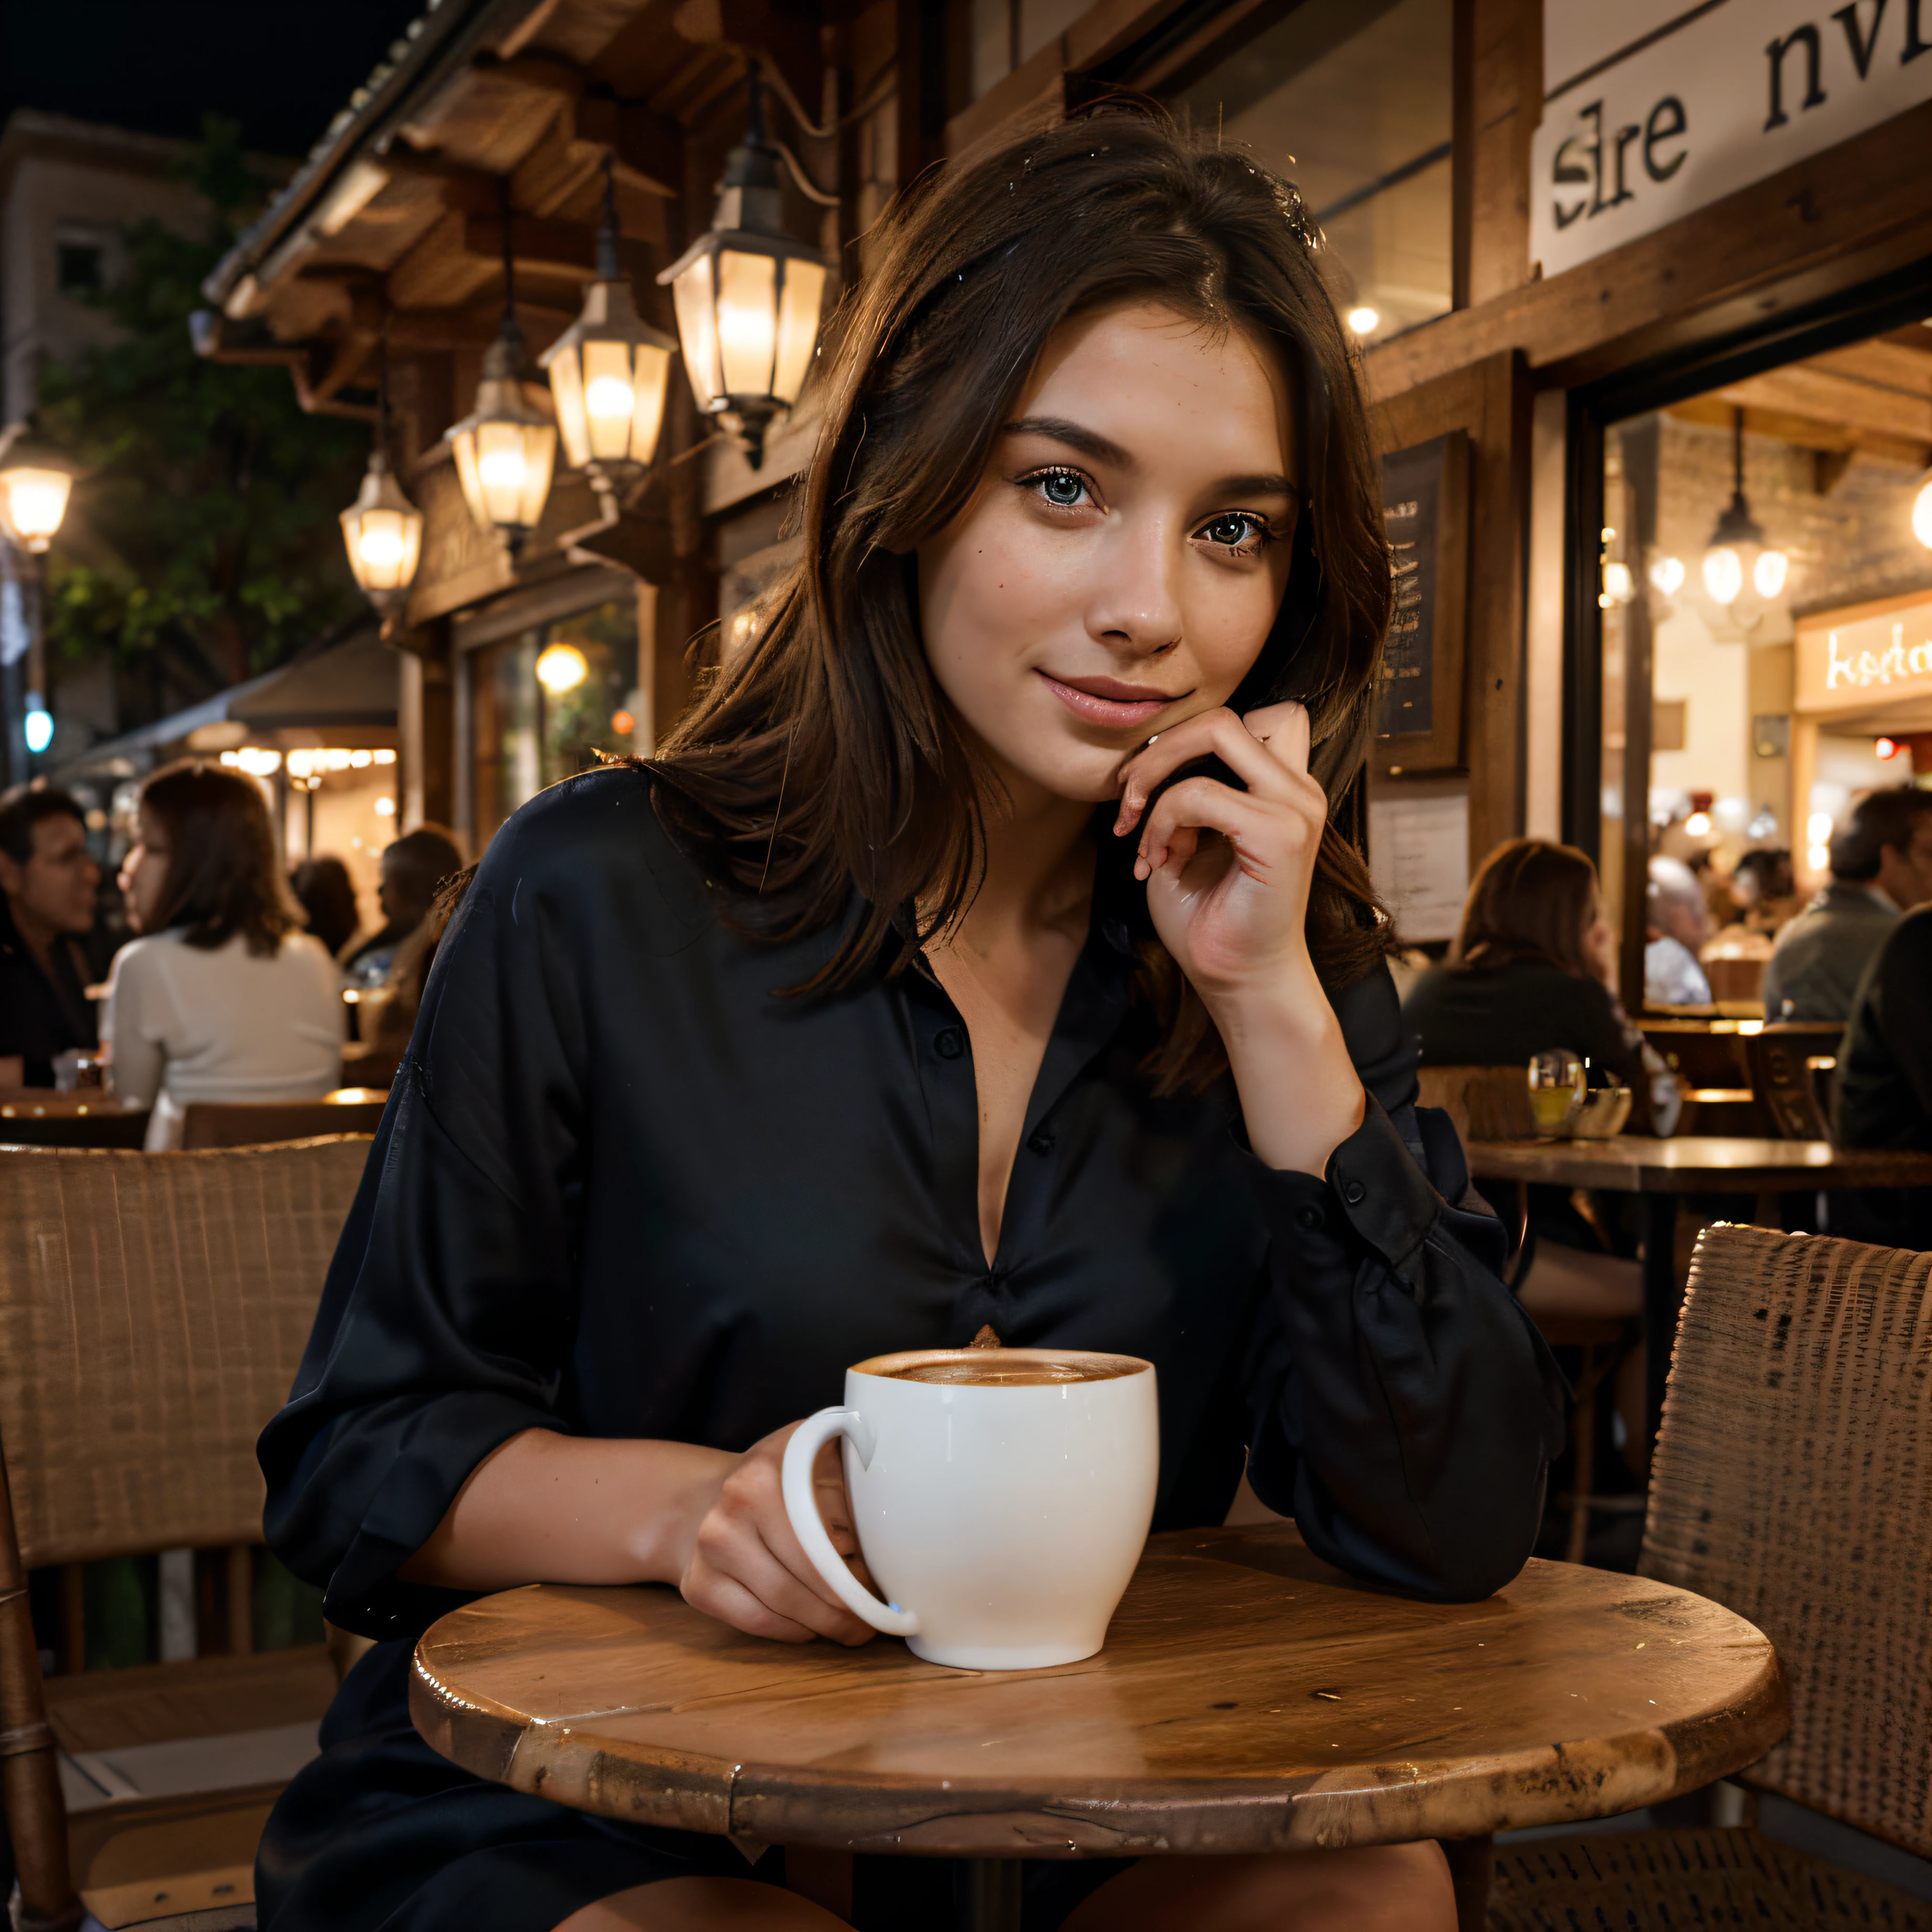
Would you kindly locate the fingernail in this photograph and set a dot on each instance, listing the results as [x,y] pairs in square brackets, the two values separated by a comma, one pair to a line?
[1142,870]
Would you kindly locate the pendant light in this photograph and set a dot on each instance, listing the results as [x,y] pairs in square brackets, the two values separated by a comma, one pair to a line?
[382,530]
[35,481]
[506,446]
[1736,553]
[747,296]
[608,372]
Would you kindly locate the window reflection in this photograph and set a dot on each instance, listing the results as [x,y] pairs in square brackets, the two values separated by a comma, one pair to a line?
[532,730]
[1351,99]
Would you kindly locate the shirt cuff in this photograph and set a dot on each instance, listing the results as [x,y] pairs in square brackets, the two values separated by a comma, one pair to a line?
[1374,1188]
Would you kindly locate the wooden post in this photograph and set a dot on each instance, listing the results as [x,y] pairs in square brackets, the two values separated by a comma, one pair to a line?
[1496,63]
[29,1777]
[241,1601]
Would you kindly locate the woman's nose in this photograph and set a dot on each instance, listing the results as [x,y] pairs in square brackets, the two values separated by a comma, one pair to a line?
[1137,603]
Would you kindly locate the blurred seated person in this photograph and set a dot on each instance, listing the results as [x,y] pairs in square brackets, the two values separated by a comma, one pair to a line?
[1881,863]
[1529,972]
[48,881]
[223,998]
[325,891]
[413,866]
[1678,924]
[1882,1096]
[1763,891]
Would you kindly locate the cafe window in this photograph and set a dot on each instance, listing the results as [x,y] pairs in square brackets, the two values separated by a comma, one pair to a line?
[1765,590]
[1351,99]
[544,702]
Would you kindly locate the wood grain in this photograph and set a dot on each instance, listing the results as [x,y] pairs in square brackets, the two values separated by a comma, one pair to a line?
[1698,1164]
[1249,1698]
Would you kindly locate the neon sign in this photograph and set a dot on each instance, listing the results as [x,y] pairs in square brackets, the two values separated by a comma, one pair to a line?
[1860,671]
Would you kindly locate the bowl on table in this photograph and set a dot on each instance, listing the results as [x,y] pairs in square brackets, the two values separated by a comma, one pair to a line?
[1603,1113]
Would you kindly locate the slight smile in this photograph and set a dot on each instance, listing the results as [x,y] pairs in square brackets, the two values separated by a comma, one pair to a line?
[1107,701]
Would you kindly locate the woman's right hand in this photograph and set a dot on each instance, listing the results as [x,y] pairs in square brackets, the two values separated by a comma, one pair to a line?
[745,1566]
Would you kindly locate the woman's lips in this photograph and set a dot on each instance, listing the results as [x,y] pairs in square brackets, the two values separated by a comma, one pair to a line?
[1098,707]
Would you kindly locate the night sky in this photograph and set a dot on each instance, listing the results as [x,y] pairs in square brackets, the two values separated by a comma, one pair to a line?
[281,67]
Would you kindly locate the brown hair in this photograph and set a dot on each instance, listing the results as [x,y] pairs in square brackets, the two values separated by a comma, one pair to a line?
[1528,901]
[223,874]
[1889,817]
[825,765]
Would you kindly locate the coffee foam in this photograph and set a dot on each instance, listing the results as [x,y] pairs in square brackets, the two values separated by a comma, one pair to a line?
[986,1369]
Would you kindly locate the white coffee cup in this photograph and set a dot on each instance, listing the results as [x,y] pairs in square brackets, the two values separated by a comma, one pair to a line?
[1004,1520]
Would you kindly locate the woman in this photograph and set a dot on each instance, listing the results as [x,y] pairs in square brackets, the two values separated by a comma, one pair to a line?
[897,998]
[223,997]
[325,892]
[1530,971]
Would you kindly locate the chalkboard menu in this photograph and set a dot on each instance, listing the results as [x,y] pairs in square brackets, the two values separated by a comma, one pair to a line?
[1425,511]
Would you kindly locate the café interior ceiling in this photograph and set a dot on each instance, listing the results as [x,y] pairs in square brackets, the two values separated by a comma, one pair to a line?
[396,222]
[1873,398]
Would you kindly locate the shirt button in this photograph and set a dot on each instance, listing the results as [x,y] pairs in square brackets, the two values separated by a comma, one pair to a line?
[1353,1192]
[1309,1217]
[949,1043]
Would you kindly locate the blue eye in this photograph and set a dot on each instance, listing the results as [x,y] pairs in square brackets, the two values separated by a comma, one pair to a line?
[1062,488]
[1233,530]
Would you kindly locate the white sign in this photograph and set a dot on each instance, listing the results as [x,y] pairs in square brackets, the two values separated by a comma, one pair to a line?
[1419,857]
[1849,660]
[1695,108]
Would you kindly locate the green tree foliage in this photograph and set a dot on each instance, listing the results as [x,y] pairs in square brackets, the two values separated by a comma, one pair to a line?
[208,528]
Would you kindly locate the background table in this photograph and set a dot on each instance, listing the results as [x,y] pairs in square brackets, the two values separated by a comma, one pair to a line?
[1663,1171]
[1249,1699]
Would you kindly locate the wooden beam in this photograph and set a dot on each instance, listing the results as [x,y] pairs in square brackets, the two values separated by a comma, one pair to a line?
[1497,66]
[647,145]
[1886,362]
[1804,390]
[540,247]
[1835,440]
[1825,224]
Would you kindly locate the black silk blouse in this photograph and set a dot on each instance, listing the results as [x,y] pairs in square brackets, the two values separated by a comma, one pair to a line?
[623,1190]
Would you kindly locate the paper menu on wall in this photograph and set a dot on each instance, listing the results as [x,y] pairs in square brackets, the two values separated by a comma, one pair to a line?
[1419,856]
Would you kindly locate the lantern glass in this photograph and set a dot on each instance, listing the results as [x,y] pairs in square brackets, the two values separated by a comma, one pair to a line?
[381,531]
[565,369]
[697,329]
[32,503]
[798,303]
[1723,573]
[504,467]
[748,321]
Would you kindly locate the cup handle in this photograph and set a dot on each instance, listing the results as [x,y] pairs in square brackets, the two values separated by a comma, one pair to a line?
[801,1507]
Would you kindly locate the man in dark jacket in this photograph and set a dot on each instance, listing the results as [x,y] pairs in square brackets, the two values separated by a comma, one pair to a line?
[1882,1095]
[48,881]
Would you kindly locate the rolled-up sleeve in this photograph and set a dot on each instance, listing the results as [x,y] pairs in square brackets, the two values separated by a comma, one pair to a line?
[445,1320]
[1403,1408]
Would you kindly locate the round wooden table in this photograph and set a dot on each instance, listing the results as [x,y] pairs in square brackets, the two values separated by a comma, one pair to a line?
[1249,1699]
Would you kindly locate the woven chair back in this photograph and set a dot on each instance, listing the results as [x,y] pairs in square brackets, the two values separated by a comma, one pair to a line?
[1792,1483]
[153,1312]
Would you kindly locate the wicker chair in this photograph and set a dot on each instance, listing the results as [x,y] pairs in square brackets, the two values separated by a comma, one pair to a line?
[348,1110]
[1793,1483]
[153,1311]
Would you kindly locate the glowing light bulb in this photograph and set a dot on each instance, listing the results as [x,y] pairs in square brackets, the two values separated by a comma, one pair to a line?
[1818,827]
[1698,824]
[380,545]
[610,399]
[39,726]
[1921,514]
[1768,574]
[385,808]
[563,667]
[1362,320]
[1619,585]
[1666,574]
[1884,748]
[1818,857]
[1724,574]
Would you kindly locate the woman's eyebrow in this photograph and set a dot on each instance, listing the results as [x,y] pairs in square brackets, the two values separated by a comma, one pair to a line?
[1088,442]
[1262,484]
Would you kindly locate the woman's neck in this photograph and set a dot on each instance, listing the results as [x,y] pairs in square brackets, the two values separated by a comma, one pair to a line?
[1040,868]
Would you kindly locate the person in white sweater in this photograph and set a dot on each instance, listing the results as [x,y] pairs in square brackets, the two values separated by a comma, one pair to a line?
[223,997]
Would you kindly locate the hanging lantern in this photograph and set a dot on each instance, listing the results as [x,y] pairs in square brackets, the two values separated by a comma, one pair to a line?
[748,297]
[608,372]
[383,530]
[1736,553]
[506,447]
[35,481]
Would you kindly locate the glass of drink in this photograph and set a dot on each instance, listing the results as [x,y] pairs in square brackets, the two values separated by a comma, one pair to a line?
[1557,1089]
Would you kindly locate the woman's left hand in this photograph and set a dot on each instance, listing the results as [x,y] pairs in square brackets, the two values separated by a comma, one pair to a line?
[1228,877]
[1228,872]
